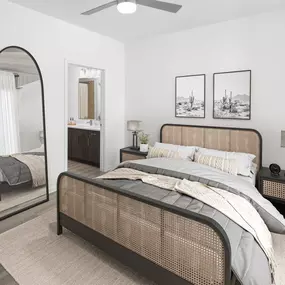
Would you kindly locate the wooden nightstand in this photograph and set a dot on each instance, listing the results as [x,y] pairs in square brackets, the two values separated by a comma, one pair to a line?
[131,154]
[272,187]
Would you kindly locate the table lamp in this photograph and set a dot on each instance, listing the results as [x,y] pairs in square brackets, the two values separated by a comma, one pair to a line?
[134,126]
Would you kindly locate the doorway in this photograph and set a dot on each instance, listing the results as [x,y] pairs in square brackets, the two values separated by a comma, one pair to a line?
[84,112]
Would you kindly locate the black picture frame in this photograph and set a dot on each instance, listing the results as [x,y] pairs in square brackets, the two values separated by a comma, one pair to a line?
[44,134]
[233,117]
[203,94]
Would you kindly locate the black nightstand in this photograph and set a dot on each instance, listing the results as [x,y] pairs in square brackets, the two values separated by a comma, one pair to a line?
[131,154]
[272,187]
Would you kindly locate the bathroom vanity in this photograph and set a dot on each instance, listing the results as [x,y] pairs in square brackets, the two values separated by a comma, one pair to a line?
[84,144]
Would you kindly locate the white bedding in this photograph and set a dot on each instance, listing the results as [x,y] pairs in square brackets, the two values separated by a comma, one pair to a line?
[39,149]
[231,205]
[274,220]
[203,171]
[252,179]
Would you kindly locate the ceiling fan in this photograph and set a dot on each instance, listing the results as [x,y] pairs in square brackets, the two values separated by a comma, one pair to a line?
[130,6]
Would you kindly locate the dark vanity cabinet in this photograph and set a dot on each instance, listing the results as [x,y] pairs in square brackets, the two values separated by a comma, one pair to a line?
[84,146]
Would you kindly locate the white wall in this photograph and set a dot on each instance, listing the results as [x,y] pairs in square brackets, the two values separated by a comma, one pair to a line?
[51,41]
[256,43]
[30,115]
[73,79]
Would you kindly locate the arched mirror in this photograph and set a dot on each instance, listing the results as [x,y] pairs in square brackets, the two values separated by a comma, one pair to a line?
[23,155]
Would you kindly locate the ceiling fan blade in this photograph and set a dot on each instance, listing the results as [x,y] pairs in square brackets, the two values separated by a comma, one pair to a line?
[169,7]
[99,8]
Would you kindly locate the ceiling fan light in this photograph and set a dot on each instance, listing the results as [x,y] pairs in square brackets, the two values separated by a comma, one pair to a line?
[127,7]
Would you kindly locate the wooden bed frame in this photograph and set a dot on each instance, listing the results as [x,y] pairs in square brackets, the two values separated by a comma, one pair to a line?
[162,242]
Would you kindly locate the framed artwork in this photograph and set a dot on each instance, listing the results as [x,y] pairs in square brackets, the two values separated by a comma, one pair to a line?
[190,96]
[232,95]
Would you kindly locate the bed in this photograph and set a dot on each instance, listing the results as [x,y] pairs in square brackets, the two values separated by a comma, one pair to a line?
[163,234]
[22,171]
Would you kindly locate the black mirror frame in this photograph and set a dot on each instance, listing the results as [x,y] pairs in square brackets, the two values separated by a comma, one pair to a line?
[44,130]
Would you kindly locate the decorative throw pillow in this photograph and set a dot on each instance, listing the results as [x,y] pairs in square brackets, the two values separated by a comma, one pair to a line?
[223,164]
[160,152]
[243,160]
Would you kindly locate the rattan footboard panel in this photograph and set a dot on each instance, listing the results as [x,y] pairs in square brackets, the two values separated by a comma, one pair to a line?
[186,247]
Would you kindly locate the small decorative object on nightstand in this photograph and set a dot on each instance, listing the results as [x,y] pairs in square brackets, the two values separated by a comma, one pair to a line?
[130,154]
[143,142]
[274,169]
[272,186]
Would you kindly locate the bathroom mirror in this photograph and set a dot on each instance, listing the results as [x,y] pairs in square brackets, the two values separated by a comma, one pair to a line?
[23,152]
[89,94]
[86,99]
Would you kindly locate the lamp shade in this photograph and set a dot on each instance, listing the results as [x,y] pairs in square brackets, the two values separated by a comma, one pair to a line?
[133,125]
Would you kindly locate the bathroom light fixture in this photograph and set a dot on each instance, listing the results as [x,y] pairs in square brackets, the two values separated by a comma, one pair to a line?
[127,6]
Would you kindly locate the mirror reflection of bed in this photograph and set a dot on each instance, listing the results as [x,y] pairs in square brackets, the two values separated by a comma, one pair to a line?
[22,142]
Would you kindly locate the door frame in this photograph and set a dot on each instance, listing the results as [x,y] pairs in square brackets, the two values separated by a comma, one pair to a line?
[66,119]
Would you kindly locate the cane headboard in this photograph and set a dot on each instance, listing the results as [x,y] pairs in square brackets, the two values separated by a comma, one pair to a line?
[220,138]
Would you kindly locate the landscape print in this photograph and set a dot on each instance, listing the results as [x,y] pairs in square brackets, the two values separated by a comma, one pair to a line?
[232,95]
[190,96]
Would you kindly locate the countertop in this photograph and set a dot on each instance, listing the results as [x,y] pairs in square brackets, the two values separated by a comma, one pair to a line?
[85,127]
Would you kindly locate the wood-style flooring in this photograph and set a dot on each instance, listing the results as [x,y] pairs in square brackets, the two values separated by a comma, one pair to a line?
[82,169]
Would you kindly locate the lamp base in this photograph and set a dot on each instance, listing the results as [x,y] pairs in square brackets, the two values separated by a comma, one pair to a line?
[135,141]
[135,147]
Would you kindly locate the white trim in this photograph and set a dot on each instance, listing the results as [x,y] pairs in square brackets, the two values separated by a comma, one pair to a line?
[52,189]
[103,119]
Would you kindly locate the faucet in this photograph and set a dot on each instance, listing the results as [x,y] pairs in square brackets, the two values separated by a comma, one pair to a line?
[90,122]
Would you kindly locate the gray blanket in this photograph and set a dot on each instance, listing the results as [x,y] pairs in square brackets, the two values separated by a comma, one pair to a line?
[249,263]
[15,172]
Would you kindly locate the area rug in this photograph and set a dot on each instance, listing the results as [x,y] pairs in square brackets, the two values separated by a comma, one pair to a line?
[34,255]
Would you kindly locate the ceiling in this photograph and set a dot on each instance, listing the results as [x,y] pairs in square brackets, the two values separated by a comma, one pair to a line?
[147,21]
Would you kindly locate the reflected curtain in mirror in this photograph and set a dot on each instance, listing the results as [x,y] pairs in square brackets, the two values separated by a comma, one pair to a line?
[83,100]
[9,115]
[86,99]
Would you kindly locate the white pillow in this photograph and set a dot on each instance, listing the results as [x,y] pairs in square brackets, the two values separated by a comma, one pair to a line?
[244,160]
[171,147]
[185,152]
